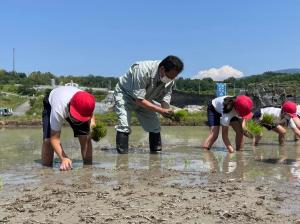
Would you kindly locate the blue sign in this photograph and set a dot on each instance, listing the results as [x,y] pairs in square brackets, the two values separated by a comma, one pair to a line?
[221,89]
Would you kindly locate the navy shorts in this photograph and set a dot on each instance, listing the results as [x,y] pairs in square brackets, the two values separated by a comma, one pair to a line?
[46,117]
[81,128]
[213,117]
[256,115]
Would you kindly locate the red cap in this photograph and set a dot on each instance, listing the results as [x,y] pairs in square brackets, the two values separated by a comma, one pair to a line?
[243,106]
[290,108]
[82,106]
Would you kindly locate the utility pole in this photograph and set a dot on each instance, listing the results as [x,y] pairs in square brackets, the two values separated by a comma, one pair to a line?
[234,88]
[13,60]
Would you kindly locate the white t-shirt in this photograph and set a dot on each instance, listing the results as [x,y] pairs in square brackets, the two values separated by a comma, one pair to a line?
[276,112]
[59,99]
[225,117]
[298,110]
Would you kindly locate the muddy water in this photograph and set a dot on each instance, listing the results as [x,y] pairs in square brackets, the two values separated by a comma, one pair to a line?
[20,155]
[256,185]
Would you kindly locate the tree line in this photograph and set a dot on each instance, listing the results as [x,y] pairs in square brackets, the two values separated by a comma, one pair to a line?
[203,86]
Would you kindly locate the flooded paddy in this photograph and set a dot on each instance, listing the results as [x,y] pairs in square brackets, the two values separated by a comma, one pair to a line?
[181,184]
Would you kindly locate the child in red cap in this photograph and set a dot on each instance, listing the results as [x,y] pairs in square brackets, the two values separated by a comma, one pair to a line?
[224,111]
[284,116]
[76,107]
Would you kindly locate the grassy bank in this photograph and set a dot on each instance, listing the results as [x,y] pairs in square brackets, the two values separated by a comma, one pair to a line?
[109,119]
[192,119]
[36,106]
[11,101]
[16,121]
[34,115]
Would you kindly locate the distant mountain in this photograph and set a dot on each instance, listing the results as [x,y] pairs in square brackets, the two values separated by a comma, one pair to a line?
[289,70]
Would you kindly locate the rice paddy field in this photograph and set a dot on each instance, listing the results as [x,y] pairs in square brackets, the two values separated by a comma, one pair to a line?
[183,183]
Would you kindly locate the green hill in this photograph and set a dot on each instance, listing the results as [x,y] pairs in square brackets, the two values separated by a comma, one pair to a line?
[204,86]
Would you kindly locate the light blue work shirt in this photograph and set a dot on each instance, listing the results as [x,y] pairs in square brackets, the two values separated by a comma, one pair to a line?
[142,81]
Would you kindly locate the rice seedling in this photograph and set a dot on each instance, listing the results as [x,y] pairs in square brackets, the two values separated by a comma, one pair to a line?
[268,119]
[181,114]
[187,163]
[98,131]
[254,128]
[178,115]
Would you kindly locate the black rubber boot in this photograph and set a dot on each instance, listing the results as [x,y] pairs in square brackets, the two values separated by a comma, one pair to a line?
[122,142]
[154,142]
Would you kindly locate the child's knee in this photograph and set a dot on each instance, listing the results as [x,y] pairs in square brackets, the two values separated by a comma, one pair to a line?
[282,132]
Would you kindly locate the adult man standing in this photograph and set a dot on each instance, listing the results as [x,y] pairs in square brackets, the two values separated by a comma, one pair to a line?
[76,107]
[146,89]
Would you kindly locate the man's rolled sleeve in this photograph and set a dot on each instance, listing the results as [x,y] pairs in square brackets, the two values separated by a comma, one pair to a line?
[139,93]
[167,97]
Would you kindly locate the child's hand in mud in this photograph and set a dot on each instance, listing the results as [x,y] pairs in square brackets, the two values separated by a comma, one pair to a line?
[66,164]
[230,149]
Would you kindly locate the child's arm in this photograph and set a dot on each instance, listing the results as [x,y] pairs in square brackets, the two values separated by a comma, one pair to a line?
[66,163]
[293,124]
[297,122]
[226,139]
[296,131]
[93,122]
[243,124]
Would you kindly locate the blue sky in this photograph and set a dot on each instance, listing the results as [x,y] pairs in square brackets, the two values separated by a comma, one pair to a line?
[72,37]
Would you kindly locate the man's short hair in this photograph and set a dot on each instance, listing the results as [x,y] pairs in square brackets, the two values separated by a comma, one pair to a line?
[172,62]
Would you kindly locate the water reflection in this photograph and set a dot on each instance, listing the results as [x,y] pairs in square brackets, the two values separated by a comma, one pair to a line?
[20,156]
[122,162]
[281,162]
[226,163]
[127,164]
[154,162]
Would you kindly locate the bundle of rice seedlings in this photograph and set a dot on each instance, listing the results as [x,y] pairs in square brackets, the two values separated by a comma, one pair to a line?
[268,119]
[254,128]
[178,115]
[98,131]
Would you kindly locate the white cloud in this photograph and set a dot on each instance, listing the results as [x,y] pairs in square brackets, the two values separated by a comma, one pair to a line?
[219,74]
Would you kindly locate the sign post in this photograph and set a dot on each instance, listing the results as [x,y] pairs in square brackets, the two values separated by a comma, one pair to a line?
[221,89]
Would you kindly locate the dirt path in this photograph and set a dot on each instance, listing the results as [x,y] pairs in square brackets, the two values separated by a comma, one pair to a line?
[22,109]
